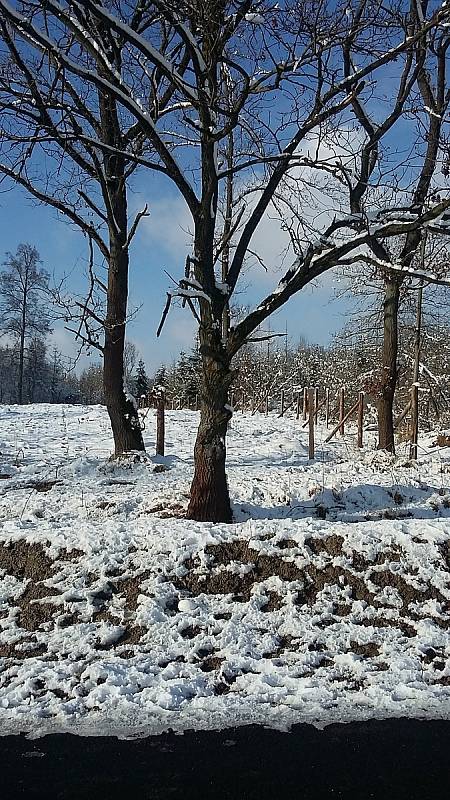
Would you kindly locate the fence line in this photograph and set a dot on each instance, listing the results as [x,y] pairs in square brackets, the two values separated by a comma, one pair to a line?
[307,403]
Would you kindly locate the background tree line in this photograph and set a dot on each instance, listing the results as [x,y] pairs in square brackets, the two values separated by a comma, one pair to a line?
[352,359]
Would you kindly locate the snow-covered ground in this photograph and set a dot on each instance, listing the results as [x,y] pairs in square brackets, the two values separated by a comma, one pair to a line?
[327,600]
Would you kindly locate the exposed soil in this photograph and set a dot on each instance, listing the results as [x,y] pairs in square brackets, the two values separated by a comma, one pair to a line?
[274,603]
[211,663]
[367,650]
[131,588]
[24,560]
[331,545]
[131,635]
[286,544]
[44,486]
[190,632]
[362,564]
[313,579]
[33,614]
[167,511]
[34,649]
[408,593]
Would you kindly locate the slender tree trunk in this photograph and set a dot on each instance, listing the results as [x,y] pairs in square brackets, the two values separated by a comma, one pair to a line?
[22,342]
[122,412]
[210,499]
[21,367]
[389,363]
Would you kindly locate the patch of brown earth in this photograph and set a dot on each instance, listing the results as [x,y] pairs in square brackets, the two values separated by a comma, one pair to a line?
[367,650]
[165,511]
[331,545]
[332,575]
[264,566]
[379,622]
[43,486]
[11,651]
[362,564]
[273,603]
[430,654]
[69,555]
[211,663]
[341,609]
[33,614]
[25,560]
[313,578]
[131,588]
[190,632]
[227,582]
[408,593]
[131,635]
[286,544]
[267,566]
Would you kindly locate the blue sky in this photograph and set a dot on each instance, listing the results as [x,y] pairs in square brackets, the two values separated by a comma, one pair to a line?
[162,243]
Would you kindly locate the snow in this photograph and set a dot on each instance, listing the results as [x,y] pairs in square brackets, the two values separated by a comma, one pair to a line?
[140,630]
[257,19]
[433,113]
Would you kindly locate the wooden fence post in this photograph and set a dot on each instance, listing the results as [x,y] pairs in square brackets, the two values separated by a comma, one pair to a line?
[297,413]
[311,393]
[282,403]
[414,420]
[348,414]
[341,410]
[360,419]
[305,403]
[267,405]
[160,422]
[316,405]
[327,407]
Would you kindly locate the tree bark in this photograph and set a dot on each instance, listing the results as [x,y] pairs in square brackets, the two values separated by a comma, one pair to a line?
[22,339]
[122,411]
[210,499]
[389,364]
[123,415]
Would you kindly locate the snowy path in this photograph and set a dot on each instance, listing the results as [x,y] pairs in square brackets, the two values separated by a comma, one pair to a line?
[118,615]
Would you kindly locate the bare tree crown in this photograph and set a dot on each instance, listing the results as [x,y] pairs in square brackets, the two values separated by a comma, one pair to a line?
[241,105]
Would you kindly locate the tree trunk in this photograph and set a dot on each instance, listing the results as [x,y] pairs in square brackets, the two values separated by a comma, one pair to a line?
[22,341]
[210,499]
[124,418]
[389,364]
[122,412]
[21,367]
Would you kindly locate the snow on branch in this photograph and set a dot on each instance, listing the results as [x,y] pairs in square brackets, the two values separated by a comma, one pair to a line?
[324,254]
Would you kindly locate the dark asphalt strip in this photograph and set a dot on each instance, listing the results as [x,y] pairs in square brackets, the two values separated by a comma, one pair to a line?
[398,759]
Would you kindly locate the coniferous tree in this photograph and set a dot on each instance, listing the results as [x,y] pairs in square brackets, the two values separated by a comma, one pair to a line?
[141,380]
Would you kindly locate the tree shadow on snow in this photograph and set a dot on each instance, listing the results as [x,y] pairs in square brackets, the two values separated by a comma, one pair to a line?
[363,503]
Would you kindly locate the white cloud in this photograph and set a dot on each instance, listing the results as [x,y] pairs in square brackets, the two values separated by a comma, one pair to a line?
[168,228]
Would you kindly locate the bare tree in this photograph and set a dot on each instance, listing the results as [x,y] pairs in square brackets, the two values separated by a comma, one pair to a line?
[428,147]
[62,141]
[281,82]
[24,300]
[130,355]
